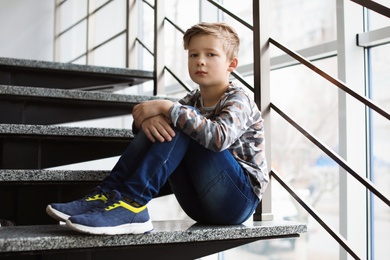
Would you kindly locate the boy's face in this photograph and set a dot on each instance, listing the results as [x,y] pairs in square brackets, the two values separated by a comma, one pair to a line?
[208,64]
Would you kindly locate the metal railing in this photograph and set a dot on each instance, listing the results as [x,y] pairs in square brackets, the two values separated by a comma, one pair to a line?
[335,157]
[257,89]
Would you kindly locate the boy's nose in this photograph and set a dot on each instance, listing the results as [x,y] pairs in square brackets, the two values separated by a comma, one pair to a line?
[200,62]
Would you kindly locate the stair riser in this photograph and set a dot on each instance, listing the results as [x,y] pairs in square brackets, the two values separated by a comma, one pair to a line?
[39,152]
[26,204]
[57,111]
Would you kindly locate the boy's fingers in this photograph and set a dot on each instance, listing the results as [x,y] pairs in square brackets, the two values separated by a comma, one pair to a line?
[167,131]
[149,135]
[158,128]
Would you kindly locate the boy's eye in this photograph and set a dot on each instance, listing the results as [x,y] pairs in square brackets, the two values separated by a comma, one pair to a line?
[192,55]
[210,54]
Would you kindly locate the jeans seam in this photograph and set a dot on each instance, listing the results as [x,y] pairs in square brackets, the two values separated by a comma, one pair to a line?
[158,168]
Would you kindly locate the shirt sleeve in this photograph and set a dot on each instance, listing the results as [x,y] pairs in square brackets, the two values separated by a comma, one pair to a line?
[231,120]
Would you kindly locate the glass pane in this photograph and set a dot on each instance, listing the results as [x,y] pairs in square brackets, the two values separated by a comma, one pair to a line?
[242,10]
[82,60]
[95,4]
[183,13]
[111,54]
[107,22]
[303,24]
[174,43]
[71,12]
[304,95]
[312,102]
[378,21]
[381,147]
[73,43]
[147,28]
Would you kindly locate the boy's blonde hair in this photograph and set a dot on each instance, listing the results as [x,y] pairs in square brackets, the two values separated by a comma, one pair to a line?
[222,31]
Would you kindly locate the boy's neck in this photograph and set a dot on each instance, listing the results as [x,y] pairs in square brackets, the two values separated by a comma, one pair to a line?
[212,95]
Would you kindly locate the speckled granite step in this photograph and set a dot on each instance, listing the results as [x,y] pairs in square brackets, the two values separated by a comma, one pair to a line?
[63,131]
[34,92]
[169,233]
[22,72]
[41,146]
[31,105]
[38,176]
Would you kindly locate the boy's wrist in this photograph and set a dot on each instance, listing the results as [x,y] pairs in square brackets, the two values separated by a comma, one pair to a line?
[166,108]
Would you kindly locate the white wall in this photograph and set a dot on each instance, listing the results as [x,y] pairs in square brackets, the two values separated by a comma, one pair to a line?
[27,29]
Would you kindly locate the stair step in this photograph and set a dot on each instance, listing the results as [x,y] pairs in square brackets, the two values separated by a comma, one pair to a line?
[62,131]
[176,239]
[42,146]
[23,72]
[33,190]
[40,176]
[31,105]
[9,178]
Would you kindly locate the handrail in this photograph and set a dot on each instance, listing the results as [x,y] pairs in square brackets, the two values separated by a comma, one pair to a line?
[175,25]
[148,4]
[340,161]
[334,81]
[341,240]
[177,78]
[237,18]
[374,6]
[242,80]
[143,45]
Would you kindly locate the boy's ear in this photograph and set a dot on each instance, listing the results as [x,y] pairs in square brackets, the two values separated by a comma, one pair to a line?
[233,64]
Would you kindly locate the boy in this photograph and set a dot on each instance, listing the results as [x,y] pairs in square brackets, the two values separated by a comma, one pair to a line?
[209,146]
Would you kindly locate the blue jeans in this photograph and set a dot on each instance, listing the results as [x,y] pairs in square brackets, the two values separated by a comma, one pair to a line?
[211,187]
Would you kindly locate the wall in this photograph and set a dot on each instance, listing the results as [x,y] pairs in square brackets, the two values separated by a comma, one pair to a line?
[27,29]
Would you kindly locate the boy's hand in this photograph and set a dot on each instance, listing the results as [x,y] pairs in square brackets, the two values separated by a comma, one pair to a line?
[158,127]
[151,108]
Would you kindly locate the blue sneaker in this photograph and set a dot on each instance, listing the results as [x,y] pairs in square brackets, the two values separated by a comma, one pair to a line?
[119,217]
[63,211]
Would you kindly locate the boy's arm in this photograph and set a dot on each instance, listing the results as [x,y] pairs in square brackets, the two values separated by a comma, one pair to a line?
[151,108]
[154,119]
[232,120]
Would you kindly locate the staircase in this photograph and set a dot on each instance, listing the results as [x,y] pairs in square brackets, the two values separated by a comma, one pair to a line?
[35,97]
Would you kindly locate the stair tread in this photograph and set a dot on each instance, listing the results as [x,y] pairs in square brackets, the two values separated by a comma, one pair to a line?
[50,130]
[30,92]
[47,74]
[70,67]
[52,175]
[59,237]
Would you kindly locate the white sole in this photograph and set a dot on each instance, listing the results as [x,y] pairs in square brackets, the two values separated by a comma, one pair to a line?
[58,215]
[133,228]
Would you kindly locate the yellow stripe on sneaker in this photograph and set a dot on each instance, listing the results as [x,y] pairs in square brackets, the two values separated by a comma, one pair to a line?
[97,197]
[126,206]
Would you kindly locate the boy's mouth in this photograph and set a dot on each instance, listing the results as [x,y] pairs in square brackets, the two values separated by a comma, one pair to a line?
[200,72]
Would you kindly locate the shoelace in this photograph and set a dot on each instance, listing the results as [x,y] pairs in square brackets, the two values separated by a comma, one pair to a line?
[113,205]
[99,196]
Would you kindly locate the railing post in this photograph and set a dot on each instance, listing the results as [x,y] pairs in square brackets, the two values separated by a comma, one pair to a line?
[131,34]
[352,127]
[57,29]
[159,17]
[261,73]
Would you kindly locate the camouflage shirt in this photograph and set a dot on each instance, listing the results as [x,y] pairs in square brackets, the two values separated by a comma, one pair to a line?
[234,123]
